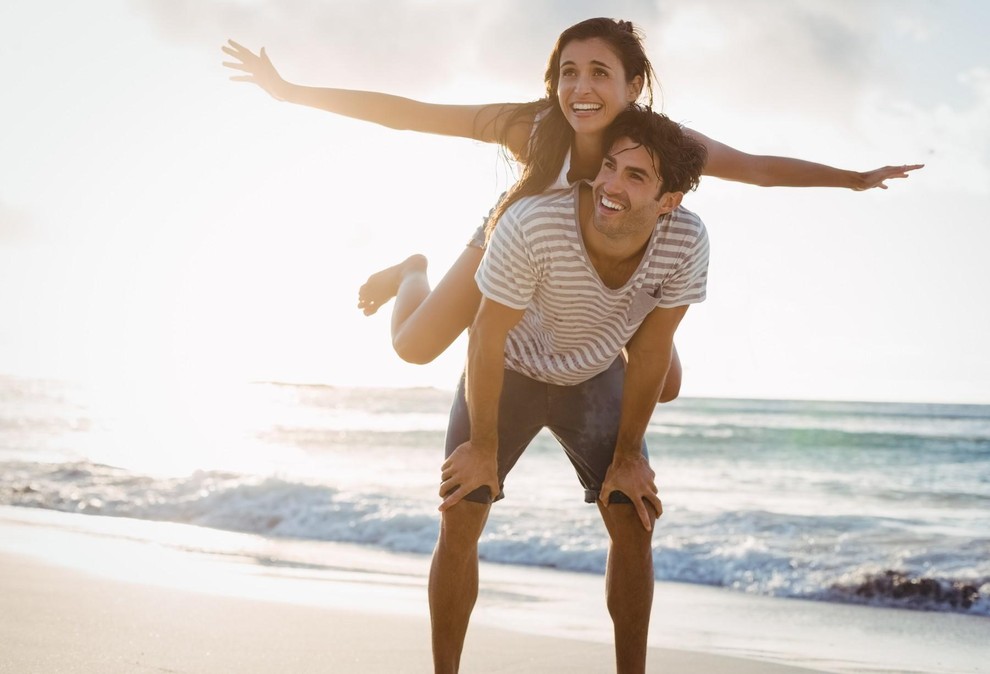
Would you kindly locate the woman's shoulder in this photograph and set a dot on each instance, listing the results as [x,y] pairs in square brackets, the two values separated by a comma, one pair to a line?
[522,126]
[508,124]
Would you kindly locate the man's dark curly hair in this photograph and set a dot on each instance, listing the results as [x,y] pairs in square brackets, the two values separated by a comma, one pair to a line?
[680,157]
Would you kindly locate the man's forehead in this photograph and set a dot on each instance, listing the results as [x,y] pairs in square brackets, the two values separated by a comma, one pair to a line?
[635,154]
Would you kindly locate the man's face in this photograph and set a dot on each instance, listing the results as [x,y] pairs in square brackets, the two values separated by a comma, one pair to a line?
[626,191]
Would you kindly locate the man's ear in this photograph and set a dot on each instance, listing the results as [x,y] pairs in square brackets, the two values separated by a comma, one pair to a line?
[668,202]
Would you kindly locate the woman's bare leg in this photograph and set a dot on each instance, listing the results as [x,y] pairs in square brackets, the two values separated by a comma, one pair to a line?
[425,322]
[384,285]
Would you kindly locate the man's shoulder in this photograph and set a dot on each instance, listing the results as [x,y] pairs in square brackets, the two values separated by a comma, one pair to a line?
[546,205]
[687,219]
[684,225]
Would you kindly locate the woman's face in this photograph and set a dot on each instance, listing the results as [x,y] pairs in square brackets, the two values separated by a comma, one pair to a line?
[592,87]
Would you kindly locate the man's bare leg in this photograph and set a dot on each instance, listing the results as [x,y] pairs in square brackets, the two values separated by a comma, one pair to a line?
[454,582]
[628,585]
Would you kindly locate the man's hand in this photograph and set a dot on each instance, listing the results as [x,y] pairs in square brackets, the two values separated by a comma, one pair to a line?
[469,466]
[634,478]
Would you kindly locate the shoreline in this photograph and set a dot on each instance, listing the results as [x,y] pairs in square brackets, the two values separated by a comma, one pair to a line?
[66,620]
[86,593]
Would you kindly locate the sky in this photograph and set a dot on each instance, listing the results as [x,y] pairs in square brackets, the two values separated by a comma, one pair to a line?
[162,223]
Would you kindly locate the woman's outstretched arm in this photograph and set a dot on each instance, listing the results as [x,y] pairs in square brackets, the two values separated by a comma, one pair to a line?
[767,171]
[484,123]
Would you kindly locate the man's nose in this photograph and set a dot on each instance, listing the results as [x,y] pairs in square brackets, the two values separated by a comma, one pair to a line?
[611,182]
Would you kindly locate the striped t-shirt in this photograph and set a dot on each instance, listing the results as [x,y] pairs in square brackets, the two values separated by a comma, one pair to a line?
[575,326]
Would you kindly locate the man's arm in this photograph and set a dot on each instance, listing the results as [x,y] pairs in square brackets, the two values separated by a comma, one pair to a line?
[649,353]
[475,463]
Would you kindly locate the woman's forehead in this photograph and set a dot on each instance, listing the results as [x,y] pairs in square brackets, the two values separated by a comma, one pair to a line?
[592,49]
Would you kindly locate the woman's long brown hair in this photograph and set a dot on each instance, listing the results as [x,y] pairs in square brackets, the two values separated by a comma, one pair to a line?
[553,134]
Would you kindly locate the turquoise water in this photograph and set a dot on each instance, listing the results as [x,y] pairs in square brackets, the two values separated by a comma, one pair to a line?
[854,502]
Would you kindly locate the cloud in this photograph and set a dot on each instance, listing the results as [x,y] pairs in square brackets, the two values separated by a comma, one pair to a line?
[325,42]
[391,43]
[953,138]
[519,34]
[800,52]
[17,226]
[767,56]
[854,72]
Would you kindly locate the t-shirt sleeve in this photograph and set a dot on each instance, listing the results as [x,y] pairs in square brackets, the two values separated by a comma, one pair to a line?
[507,273]
[689,283]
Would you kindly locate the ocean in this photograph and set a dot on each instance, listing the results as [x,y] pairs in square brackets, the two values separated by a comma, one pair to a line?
[872,503]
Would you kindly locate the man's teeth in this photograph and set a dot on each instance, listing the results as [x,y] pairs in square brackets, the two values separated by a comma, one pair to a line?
[608,203]
[586,107]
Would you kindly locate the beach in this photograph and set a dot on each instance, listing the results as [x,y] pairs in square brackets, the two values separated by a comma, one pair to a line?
[290,528]
[85,594]
[79,600]
[63,620]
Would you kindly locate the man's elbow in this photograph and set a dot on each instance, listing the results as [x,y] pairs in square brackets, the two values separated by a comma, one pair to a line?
[671,389]
[672,382]
[665,365]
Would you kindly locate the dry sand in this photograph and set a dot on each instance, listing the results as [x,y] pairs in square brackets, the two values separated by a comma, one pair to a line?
[81,593]
[60,619]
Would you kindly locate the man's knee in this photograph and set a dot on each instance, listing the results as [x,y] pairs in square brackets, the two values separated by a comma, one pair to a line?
[625,529]
[461,526]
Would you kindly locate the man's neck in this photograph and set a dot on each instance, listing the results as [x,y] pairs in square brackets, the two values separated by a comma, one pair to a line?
[615,258]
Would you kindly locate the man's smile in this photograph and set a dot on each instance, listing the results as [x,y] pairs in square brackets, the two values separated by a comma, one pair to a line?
[611,205]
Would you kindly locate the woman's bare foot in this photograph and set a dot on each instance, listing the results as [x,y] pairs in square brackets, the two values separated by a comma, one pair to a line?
[383,285]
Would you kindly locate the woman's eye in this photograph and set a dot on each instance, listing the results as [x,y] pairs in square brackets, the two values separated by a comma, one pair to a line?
[601,73]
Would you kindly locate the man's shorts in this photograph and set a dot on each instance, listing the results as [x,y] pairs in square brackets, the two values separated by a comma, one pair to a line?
[583,417]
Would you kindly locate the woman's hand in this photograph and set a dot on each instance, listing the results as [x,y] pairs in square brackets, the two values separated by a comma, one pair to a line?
[258,67]
[876,177]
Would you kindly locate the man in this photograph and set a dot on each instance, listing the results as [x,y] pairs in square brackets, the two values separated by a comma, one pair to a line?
[562,297]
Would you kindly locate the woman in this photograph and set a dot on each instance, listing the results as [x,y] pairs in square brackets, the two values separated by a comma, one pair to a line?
[596,69]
